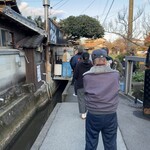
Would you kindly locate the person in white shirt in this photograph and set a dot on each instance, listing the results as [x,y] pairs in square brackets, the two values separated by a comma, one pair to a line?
[66,56]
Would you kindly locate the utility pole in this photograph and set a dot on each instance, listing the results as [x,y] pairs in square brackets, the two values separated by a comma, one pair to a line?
[130,24]
[46,5]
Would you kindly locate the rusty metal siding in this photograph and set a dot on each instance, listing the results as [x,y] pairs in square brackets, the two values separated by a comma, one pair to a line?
[31,68]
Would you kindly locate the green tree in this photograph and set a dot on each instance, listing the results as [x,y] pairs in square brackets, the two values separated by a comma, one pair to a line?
[54,18]
[29,17]
[39,22]
[82,26]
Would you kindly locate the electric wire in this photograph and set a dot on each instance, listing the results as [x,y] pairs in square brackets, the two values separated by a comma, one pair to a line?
[63,4]
[105,7]
[87,7]
[108,12]
[60,6]
[57,3]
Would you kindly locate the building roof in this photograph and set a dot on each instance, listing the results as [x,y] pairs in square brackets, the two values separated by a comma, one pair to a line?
[11,3]
[31,42]
[94,43]
[19,20]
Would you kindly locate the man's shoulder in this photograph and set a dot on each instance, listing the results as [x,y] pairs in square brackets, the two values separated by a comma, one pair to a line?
[98,71]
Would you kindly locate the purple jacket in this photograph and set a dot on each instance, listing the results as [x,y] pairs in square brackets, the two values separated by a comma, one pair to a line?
[101,85]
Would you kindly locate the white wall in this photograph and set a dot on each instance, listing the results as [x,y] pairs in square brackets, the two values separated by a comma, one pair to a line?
[12,69]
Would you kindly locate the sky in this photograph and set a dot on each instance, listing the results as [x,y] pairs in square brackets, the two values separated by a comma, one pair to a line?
[103,10]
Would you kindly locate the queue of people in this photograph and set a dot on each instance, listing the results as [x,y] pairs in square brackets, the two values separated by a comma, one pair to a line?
[97,87]
[83,66]
[73,62]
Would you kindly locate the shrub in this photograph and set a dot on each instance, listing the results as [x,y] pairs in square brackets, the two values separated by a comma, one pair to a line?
[138,77]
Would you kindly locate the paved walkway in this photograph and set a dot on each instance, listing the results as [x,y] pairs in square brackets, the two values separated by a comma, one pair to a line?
[65,130]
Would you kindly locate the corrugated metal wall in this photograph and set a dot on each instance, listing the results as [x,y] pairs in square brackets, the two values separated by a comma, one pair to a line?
[34,70]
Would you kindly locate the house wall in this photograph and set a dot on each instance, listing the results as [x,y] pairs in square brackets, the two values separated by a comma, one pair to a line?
[12,68]
[16,66]
[12,64]
[18,33]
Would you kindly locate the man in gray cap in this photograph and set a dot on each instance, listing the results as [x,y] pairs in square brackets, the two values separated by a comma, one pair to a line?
[101,86]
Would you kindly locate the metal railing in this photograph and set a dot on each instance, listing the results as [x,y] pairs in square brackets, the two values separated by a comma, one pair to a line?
[129,60]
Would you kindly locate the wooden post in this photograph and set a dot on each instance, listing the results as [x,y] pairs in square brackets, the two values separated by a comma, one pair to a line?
[130,24]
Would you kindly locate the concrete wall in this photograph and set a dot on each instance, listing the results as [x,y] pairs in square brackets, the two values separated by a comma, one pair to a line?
[15,116]
[12,68]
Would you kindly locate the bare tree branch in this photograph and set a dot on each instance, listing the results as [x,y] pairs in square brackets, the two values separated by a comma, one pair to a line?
[119,25]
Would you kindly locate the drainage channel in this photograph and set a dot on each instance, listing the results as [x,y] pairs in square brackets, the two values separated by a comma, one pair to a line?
[28,135]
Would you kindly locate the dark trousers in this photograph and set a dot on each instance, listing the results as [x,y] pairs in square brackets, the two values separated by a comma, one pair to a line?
[81,100]
[75,86]
[107,125]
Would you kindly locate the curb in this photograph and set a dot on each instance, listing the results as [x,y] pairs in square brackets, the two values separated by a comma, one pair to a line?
[65,92]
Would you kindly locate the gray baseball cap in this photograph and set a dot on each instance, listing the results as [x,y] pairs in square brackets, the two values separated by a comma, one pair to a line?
[99,53]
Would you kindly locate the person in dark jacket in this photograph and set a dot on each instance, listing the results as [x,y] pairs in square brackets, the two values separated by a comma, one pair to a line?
[101,86]
[71,60]
[81,68]
[77,57]
[74,61]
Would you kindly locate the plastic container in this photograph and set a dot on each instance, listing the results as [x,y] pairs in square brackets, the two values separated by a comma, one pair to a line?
[58,69]
[66,70]
[122,86]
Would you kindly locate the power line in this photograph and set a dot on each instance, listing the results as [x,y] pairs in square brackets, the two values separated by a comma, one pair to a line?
[63,4]
[105,7]
[108,11]
[57,3]
[88,6]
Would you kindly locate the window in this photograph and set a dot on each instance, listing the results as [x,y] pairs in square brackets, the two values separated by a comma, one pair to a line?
[6,38]
[10,38]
